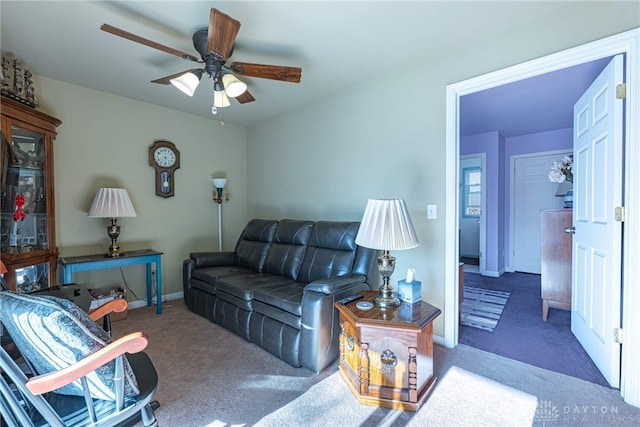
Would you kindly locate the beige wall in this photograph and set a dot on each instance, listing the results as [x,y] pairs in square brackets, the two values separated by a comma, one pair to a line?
[383,138]
[386,137]
[103,141]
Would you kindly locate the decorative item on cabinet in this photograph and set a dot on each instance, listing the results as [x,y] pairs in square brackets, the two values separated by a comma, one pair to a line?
[17,82]
[27,221]
[568,199]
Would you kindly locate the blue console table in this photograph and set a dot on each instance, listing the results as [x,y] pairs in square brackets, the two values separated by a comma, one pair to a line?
[77,264]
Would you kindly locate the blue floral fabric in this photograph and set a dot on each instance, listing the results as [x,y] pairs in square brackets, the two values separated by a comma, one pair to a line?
[53,333]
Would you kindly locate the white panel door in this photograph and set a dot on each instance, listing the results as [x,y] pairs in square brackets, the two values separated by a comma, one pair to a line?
[597,242]
[533,192]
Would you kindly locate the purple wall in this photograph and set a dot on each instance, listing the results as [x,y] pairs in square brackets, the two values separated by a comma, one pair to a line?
[498,151]
[492,144]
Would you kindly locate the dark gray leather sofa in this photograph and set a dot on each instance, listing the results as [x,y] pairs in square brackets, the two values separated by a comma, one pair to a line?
[278,288]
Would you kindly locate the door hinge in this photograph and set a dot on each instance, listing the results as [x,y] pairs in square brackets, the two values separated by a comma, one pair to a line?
[620,213]
[618,335]
[621,91]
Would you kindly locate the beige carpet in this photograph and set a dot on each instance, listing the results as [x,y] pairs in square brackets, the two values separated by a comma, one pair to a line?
[210,377]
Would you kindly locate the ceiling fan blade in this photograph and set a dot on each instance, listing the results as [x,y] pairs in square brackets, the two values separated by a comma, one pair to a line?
[245,97]
[222,33]
[167,80]
[273,72]
[129,36]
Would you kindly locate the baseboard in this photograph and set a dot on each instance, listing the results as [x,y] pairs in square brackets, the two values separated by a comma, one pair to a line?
[493,273]
[437,339]
[143,303]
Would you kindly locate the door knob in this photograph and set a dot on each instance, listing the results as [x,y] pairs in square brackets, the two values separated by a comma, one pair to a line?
[570,230]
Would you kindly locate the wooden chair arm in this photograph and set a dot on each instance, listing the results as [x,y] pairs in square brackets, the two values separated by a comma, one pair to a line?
[131,343]
[116,305]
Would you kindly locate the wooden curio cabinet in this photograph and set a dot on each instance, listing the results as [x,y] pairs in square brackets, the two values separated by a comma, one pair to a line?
[27,223]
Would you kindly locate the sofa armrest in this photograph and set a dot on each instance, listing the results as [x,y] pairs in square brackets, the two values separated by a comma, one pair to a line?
[319,324]
[212,259]
[333,285]
[203,259]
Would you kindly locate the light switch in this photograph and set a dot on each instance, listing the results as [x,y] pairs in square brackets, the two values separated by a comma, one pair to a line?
[431,212]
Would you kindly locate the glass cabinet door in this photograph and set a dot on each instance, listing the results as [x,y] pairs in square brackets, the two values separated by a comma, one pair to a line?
[24,208]
[32,277]
[27,228]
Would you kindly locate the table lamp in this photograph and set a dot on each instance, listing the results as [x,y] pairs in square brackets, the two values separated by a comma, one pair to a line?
[386,225]
[112,203]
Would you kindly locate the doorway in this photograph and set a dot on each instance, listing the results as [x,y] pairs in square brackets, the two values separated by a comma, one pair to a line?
[626,43]
[524,186]
[472,237]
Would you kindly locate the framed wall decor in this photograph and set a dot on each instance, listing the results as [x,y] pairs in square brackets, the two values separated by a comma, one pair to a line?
[165,159]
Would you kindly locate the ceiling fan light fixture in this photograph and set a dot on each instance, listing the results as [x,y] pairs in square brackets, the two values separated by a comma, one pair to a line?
[220,99]
[188,82]
[232,86]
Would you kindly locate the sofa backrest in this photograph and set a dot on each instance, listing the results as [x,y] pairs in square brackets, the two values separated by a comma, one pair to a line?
[310,250]
[253,244]
[288,247]
[330,252]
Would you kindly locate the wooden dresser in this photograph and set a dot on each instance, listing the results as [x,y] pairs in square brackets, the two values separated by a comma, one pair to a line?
[555,268]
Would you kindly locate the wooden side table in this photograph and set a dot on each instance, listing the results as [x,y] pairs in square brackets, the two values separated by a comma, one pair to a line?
[386,355]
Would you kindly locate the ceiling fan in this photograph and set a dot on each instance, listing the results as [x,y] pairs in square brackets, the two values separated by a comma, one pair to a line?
[215,46]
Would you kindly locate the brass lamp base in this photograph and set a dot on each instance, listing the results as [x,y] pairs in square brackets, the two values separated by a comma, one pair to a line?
[113,230]
[384,301]
[386,298]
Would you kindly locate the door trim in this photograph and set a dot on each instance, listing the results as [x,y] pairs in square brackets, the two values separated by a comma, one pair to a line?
[627,43]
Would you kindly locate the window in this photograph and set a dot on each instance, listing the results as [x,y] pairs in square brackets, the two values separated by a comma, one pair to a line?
[471,192]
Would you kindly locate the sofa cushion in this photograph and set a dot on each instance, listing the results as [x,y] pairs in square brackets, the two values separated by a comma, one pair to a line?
[254,242]
[288,247]
[53,333]
[330,252]
[243,286]
[210,274]
[285,295]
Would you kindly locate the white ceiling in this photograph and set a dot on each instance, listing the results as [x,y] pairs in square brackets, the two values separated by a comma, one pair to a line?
[337,43]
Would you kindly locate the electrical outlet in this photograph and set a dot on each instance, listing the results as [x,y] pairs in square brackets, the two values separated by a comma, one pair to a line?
[431,212]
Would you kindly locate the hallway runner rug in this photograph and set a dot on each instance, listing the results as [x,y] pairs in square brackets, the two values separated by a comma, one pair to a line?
[482,308]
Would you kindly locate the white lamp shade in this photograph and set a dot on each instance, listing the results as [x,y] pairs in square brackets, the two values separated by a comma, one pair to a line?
[219,182]
[112,203]
[187,83]
[232,86]
[386,225]
[220,99]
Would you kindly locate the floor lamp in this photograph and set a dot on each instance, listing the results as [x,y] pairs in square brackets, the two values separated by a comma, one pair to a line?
[219,184]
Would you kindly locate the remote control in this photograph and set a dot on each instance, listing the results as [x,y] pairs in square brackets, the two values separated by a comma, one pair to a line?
[349,298]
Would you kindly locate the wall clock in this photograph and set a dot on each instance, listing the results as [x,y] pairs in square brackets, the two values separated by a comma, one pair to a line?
[165,159]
